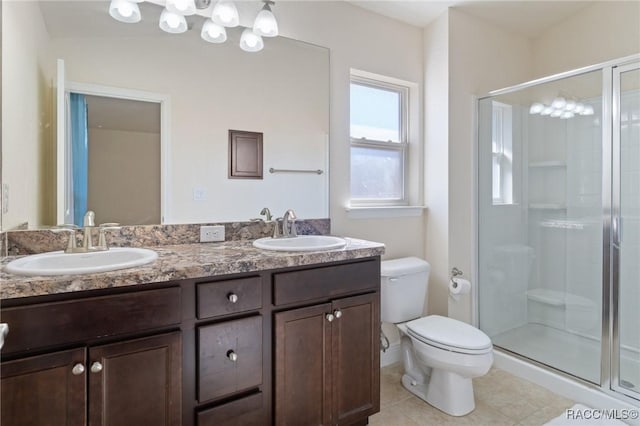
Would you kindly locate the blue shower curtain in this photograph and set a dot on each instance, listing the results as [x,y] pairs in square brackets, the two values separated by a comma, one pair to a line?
[79,155]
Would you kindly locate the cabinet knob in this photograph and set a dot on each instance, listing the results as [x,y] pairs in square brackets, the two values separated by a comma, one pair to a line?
[233,357]
[330,317]
[337,313]
[233,298]
[96,367]
[77,369]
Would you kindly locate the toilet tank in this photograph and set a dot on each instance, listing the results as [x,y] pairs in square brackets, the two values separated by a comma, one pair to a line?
[403,288]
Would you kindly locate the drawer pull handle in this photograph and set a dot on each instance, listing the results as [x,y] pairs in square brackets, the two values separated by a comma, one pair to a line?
[233,298]
[77,369]
[96,367]
[330,317]
[233,357]
[337,313]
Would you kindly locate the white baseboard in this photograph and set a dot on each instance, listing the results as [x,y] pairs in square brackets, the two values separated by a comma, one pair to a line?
[392,355]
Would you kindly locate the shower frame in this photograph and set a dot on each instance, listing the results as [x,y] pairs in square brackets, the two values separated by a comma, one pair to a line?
[610,339]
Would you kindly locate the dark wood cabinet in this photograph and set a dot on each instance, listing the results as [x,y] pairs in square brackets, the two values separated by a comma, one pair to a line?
[45,390]
[136,382]
[293,346]
[327,362]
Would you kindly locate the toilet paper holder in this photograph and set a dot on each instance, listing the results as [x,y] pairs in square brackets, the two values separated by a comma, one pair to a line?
[455,272]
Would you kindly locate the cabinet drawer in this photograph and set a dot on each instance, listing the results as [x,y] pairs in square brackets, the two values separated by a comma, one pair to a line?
[246,411]
[57,323]
[214,298]
[325,282]
[218,373]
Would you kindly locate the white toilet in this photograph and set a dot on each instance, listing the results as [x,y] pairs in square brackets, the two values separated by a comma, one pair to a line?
[440,355]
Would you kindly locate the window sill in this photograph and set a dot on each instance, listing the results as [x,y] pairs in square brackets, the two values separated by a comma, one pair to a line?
[384,212]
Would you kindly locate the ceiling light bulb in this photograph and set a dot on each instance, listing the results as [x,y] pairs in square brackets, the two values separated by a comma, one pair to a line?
[213,33]
[588,110]
[536,108]
[579,108]
[250,42]
[173,23]
[182,7]
[556,113]
[225,13]
[265,24]
[125,11]
[570,106]
[566,114]
[546,111]
[559,102]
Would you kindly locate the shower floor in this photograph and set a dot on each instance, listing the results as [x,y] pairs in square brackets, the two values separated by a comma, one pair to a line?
[574,354]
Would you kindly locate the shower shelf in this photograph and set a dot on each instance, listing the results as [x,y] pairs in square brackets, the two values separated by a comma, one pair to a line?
[547,206]
[547,164]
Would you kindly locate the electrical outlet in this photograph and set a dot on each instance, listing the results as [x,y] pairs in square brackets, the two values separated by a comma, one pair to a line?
[209,234]
[5,198]
[199,194]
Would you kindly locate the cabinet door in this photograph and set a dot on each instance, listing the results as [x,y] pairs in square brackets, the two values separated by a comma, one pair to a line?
[44,390]
[302,366]
[356,358]
[137,382]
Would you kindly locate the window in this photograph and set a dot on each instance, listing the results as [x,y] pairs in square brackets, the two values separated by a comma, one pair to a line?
[502,152]
[378,130]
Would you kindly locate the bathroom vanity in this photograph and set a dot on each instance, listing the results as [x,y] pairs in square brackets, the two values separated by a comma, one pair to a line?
[209,334]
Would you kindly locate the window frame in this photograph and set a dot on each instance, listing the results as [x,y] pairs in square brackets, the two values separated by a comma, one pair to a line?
[402,146]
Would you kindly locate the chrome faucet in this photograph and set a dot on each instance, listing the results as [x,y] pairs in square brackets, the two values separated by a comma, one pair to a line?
[266,213]
[289,224]
[88,223]
[87,239]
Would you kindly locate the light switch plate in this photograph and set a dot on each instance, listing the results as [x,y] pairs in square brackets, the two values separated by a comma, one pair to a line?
[210,234]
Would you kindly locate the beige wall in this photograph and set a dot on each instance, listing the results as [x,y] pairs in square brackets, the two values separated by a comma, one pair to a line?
[436,83]
[601,32]
[26,116]
[363,40]
[124,170]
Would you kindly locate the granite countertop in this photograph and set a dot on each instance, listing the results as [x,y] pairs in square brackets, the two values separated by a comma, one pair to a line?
[184,261]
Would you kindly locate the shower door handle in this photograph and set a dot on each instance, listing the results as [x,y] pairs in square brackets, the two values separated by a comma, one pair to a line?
[617,230]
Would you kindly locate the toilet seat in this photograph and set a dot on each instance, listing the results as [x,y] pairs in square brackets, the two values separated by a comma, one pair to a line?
[449,334]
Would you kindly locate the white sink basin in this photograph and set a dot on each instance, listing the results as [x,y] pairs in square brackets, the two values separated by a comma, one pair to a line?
[301,243]
[61,263]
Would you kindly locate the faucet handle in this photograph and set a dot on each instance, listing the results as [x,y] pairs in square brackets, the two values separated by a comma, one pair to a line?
[89,218]
[276,230]
[71,229]
[102,237]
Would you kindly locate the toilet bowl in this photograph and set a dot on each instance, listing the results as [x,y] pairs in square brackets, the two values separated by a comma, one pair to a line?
[440,355]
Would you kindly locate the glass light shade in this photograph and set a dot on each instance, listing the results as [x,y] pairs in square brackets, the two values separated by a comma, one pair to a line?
[579,108]
[570,106]
[559,102]
[225,13]
[173,23]
[536,108]
[556,113]
[546,111]
[125,11]
[567,114]
[265,24]
[181,7]
[213,33]
[250,42]
[588,110]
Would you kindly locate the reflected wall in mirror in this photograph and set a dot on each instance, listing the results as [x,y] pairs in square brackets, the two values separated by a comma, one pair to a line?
[282,92]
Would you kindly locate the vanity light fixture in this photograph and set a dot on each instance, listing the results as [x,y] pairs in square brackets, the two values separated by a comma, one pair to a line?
[224,14]
[181,7]
[172,22]
[265,24]
[250,41]
[561,107]
[126,11]
[213,33]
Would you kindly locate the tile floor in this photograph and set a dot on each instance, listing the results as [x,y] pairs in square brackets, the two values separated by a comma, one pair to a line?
[501,399]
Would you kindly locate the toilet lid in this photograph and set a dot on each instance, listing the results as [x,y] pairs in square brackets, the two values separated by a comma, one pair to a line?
[449,333]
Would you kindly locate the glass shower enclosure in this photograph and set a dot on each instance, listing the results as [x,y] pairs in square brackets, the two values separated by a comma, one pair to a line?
[559,223]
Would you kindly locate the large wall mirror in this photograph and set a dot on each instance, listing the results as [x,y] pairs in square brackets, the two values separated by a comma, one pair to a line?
[196,92]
